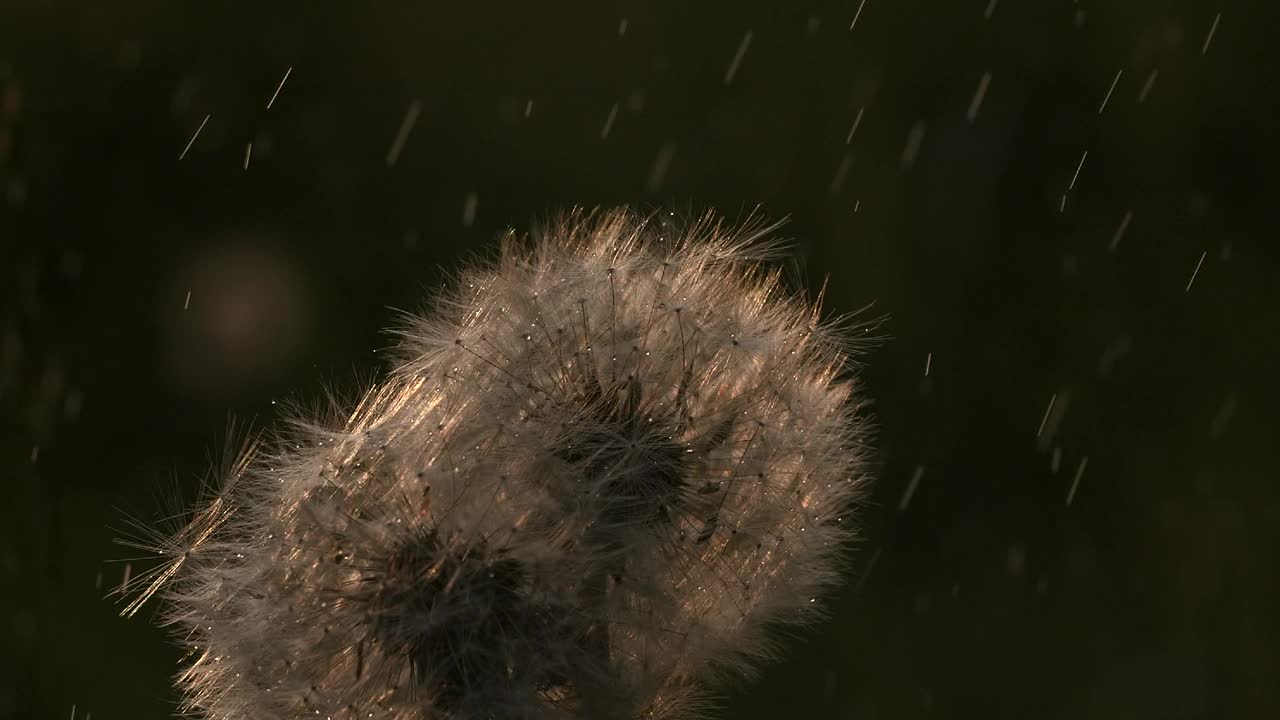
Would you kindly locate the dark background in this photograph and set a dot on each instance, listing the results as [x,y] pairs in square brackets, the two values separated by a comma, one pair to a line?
[1152,595]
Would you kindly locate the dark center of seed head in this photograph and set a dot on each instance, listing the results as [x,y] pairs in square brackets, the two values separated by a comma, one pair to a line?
[458,615]
[633,469]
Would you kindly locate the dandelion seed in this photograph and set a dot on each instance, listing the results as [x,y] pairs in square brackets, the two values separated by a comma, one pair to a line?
[248,153]
[186,304]
[928,363]
[991,8]
[528,107]
[600,470]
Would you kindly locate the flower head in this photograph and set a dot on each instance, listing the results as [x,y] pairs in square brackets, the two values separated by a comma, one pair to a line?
[602,468]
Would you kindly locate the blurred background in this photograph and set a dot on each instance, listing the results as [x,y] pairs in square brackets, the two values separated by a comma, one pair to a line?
[1066,210]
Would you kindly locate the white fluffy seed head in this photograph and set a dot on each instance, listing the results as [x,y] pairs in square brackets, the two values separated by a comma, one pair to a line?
[603,467]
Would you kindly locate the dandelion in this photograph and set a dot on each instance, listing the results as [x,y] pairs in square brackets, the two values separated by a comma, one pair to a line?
[603,470]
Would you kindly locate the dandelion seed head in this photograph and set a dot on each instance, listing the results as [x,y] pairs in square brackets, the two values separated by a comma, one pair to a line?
[603,467]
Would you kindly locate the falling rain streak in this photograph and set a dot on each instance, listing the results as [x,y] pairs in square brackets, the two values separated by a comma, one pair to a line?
[1196,271]
[1204,49]
[1147,85]
[910,492]
[469,206]
[842,173]
[857,14]
[192,141]
[1047,411]
[737,58]
[915,139]
[1074,177]
[978,94]
[661,164]
[1120,231]
[866,572]
[1107,97]
[857,120]
[402,135]
[279,87]
[608,122]
[1075,482]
